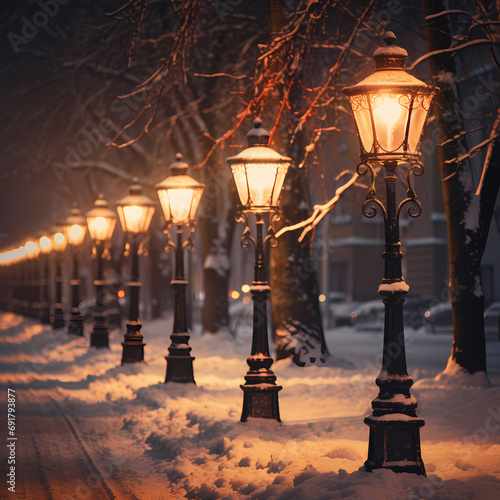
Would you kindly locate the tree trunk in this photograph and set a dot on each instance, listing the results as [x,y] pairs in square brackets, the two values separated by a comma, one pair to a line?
[468,216]
[217,228]
[294,287]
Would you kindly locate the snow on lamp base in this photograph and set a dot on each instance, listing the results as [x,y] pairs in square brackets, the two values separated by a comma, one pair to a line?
[395,443]
[260,402]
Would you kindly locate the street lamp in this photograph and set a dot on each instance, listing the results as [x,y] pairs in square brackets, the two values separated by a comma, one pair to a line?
[135,212]
[45,249]
[259,173]
[75,228]
[390,108]
[179,196]
[59,243]
[101,221]
[32,252]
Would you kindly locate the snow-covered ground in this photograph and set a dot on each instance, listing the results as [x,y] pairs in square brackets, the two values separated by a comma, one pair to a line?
[173,441]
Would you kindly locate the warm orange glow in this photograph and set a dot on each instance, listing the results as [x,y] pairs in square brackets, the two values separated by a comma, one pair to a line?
[59,242]
[76,234]
[321,298]
[245,288]
[31,248]
[101,228]
[179,205]
[45,244]
[135,219]
[121,294]
[234,294]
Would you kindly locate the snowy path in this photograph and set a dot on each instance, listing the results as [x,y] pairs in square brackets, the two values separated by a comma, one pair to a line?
[90,429]
[52,454]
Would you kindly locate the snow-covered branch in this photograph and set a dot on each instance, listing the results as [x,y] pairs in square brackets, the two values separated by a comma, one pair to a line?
[470,43]
[493,136]
[319,211]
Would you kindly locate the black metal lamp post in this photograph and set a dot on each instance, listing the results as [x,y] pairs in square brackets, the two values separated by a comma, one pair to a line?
[75,228]
[135,212]
[390,109]
[45,249]
[259,173]
[59,243]
[101,221]
[179,196]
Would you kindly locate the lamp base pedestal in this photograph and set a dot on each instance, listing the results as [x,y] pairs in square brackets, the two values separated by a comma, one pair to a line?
[75,326]
[395,443]
[133,345]
[58,319]
[44,312]
[260,402]
[180,369]
[100,334]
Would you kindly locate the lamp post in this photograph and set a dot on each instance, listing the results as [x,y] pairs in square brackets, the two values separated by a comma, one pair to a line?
[75,227]
[32,252]
[259,173]
[179,196]
[135,212]
[101,221]
[390,108]
[59,243]
[45,249]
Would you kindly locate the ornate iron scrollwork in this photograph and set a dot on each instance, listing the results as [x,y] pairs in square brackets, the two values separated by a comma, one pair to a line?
[169,244]
[189,243]
[414,206]
[246,238]
[371,203]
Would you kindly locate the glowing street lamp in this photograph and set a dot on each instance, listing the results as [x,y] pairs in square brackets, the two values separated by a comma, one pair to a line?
[101,222]
[59,243]
[179,196]
[135,212]
[75,228]
[259,173]
[390,109]
[45,249]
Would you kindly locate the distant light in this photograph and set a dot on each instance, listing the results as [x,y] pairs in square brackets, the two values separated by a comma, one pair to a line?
[354,315]
[45,243]
[121,294]
[59,238]
[321,297]
[246,299]
[30,247]
[427,314]
[245,288]
[234,294]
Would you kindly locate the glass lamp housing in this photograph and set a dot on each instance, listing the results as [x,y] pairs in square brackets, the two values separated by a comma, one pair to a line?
[45,244]
[259,172]
[59,241]
[32,249]
[390,107]
[179,194]
[75,227]
[135,211]
[101,221]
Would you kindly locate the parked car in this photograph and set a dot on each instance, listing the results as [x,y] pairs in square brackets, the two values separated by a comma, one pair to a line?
[492,318]
[341,313]
[369,316]
[439,318]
